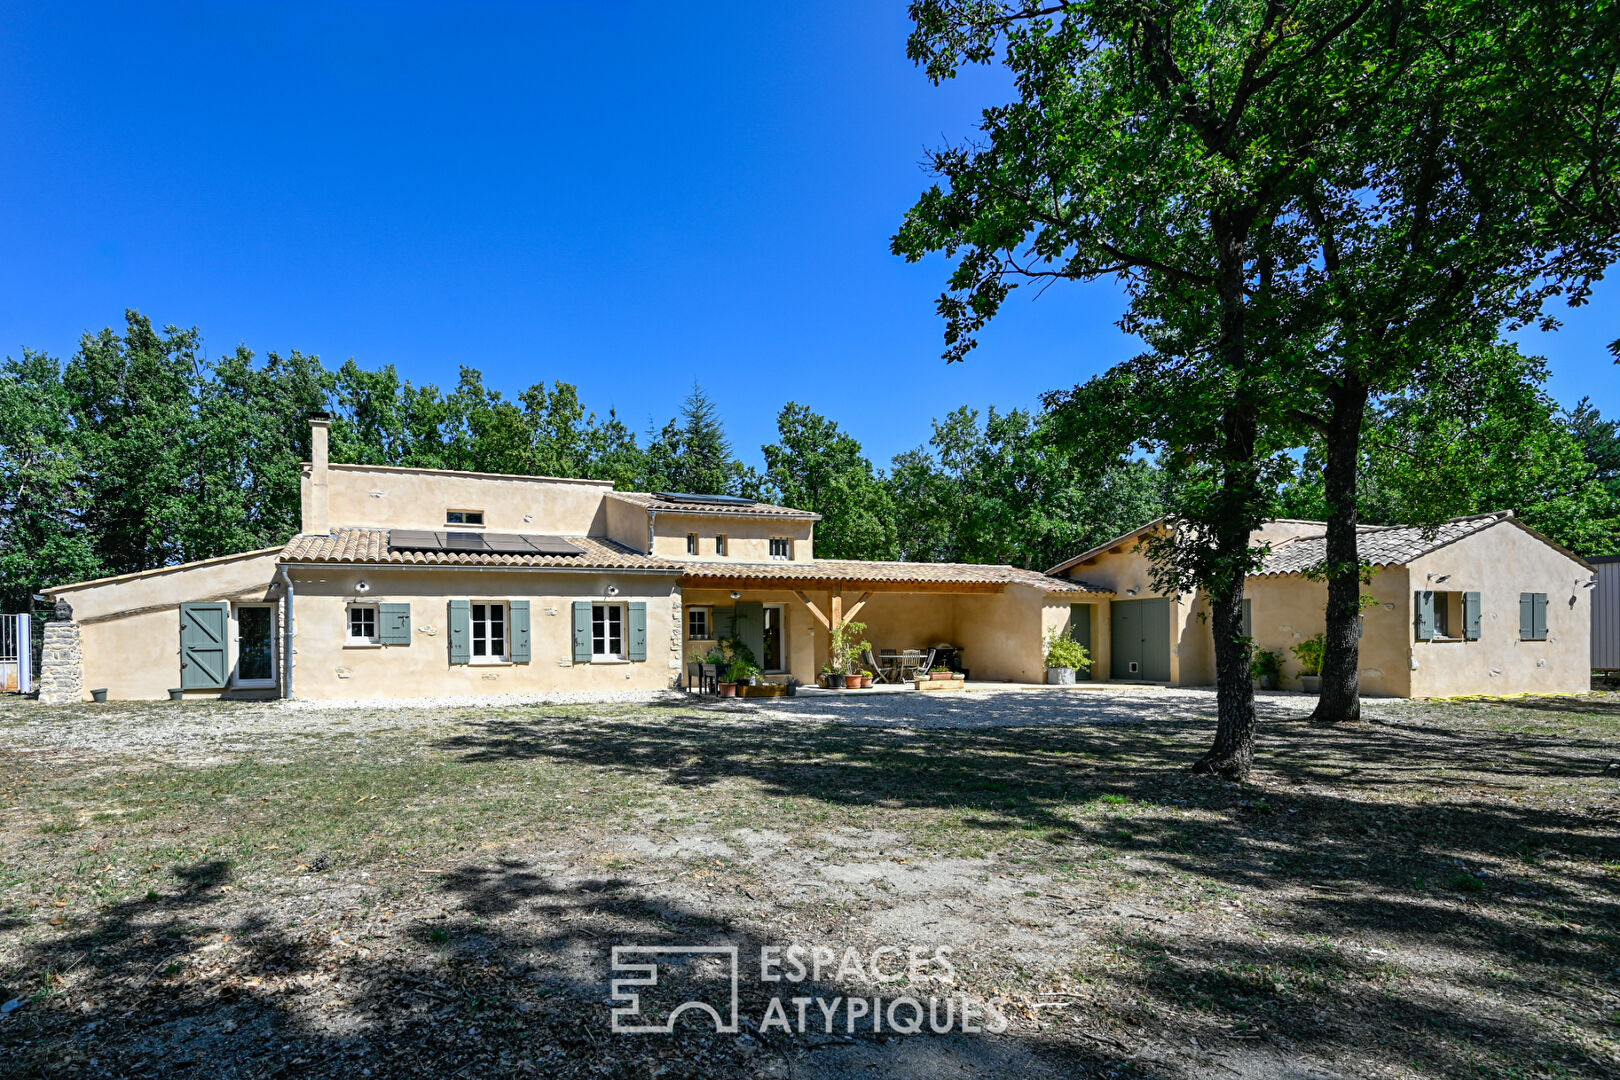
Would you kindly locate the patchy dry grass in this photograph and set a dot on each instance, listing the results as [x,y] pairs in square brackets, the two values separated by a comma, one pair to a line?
[1430,894]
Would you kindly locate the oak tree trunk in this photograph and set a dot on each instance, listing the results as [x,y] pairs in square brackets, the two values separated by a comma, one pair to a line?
[1233,753]
[1340,700]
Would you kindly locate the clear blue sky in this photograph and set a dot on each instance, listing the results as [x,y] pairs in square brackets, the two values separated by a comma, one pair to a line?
[623,196]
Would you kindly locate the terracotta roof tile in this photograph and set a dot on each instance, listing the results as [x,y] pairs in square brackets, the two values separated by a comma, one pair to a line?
[371,546]
[757,509]
[857,570]
[1377,545]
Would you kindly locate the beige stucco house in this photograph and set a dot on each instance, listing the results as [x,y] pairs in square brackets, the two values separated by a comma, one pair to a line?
[421,583]
[408,583]
[1480,605]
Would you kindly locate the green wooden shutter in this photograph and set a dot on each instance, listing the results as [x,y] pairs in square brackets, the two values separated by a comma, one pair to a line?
[1538,616]
[750,621]
[394,624]
[1471,616]
[1526,616]
[582,631]
[1080,631]
[460,631]
[725,623]
[1248,620]
[519,631]
[638,630]
[204,649]
[1423,602]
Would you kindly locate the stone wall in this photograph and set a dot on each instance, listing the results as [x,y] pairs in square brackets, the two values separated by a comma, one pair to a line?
[677,637]
[61,672]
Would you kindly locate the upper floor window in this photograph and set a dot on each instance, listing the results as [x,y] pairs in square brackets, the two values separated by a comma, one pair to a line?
[720,544]
[463,517]
[691,543]
[781,547]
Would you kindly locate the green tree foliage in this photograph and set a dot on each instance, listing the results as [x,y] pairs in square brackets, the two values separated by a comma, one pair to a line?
[1482,435]
[1007,491]
[43,491]
[815,466]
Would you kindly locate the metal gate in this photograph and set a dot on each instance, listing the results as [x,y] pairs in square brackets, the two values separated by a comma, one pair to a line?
[16,654]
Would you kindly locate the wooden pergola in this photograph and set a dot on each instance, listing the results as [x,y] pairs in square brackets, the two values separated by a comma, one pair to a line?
[845,598]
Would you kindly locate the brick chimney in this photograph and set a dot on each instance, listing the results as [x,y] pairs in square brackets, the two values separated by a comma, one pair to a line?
[317,509]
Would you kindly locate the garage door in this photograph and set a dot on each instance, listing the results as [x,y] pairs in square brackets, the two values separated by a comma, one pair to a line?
[1139,637]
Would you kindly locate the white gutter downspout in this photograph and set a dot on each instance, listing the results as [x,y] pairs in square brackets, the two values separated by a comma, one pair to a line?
[291,632]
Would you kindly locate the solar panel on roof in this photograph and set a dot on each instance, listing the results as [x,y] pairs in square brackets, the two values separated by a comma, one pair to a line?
[473,543]
[722,500]
[413,540]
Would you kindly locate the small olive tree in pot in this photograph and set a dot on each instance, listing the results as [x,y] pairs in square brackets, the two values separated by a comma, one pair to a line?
[1309,653]
[1064,656]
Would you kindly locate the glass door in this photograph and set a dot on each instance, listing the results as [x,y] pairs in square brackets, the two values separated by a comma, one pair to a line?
[255,645]
[774,658]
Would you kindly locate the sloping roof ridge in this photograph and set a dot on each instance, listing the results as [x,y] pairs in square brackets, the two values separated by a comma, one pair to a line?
[351,466]
[192,565]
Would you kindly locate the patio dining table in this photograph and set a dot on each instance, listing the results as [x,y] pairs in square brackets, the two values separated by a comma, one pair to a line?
[902,664]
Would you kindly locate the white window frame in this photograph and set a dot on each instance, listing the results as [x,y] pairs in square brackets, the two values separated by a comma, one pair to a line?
[450,519]
[787,543]
[474,639]
[720,545]
[691,543]
[362,641]
[708,623]
[605,639]
[236,649]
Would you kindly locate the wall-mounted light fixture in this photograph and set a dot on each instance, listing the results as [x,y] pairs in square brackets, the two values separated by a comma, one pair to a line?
[1440,579]
[613,590]
[361,587]
[735,595]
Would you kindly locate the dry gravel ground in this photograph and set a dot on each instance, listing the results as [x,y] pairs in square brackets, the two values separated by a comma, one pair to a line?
[256,890]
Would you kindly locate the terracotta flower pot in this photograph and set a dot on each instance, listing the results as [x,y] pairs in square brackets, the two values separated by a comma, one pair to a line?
[941,676]
[728,689]
[866,682]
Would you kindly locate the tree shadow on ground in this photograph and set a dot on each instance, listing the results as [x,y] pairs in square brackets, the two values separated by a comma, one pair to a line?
[1466,868]
[509,977]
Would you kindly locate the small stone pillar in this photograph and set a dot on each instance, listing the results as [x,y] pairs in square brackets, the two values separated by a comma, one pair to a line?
[677,636]
[61,666]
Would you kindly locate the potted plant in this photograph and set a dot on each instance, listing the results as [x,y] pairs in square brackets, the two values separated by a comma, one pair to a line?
[1265,667]
[847,646]
[1064,656]
[1309,653]
[743,671]
[832,680]
[866,680]
[940,674]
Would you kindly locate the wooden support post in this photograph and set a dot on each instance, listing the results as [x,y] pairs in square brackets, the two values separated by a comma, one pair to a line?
[836,612]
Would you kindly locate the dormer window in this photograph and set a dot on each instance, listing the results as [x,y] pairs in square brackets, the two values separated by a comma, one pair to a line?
[464,518]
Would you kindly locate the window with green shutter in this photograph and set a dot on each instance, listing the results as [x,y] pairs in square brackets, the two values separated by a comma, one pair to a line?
[394,624]
[1471,616]
[1423,615]
[1533,616]
[460,632]
[638,630]
[582,631]
[519,645]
